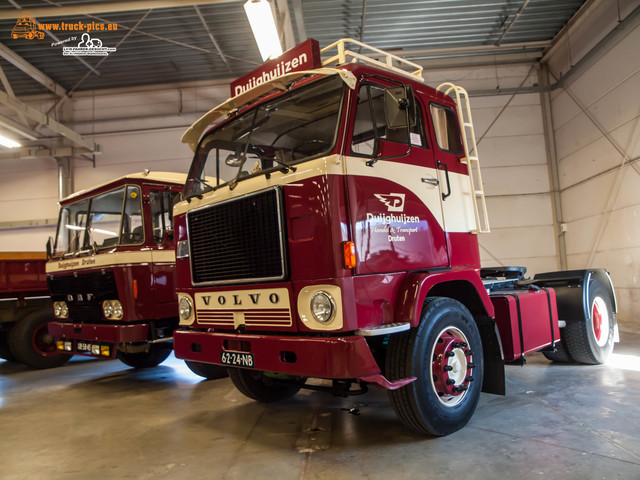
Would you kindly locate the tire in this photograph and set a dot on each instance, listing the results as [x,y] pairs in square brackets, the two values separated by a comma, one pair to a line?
[446,392]
[154,357]
[207,370]
[257,386]
[561,355]
[31,343]
[589,340]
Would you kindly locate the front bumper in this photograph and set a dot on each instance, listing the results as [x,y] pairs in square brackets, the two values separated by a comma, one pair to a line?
[320,357]
[78,333]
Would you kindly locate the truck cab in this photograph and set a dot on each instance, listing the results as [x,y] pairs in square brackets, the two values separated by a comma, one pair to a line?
[339,240]
[111,270]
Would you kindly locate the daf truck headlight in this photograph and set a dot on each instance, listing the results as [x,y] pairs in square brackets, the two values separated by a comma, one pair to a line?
[107,308]
[185,308]
[60,309]
[118,311]
[322,307]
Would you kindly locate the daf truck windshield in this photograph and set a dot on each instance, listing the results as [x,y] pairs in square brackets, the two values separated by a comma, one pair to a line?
[298,126]
[107,220]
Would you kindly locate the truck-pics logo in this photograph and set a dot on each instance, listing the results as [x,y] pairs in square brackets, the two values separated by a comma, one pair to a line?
[26,27]
[393,201]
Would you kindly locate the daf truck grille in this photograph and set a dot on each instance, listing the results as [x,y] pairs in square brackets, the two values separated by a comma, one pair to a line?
[84,293]
[238,241]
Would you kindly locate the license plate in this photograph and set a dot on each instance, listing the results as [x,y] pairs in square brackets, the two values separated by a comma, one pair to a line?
[237,359]
[83,347]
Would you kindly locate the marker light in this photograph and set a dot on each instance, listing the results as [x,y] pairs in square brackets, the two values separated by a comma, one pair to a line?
[264,28]
[349,252]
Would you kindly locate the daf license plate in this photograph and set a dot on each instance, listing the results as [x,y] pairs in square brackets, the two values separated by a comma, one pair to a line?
[84,347]
[237,359]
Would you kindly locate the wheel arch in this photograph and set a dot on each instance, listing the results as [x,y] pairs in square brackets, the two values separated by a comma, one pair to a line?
[467,288]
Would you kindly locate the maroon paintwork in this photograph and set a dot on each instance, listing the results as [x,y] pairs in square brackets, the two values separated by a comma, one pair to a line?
[155,297]
[22,274]
[391,279]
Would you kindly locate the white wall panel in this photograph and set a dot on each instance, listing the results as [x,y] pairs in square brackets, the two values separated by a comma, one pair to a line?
[519,211]
[517,150]
[515,180]
[588,161]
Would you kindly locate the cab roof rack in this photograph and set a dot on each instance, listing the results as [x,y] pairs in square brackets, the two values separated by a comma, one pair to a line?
[372,56]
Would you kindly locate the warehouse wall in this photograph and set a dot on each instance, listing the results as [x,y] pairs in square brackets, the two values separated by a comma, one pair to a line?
[596,120]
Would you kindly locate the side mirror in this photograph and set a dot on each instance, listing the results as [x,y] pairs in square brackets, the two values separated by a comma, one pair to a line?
[399,107]
[49,248]
[234,160]
[168,236]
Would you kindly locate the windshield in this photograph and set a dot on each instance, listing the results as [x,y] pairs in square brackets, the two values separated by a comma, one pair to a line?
[107,220]
[297,126]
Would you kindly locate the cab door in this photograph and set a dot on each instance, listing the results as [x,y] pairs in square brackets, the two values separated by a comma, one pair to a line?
[394,192]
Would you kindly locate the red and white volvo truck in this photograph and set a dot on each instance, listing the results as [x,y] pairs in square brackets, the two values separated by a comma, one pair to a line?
[339,240]
[111,273]
[25,310]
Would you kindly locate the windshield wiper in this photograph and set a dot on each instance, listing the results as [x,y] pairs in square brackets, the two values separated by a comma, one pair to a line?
[206,187]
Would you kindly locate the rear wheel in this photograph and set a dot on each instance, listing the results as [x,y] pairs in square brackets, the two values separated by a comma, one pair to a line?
[207,370]
[31,343]
[590,339]
[5,351]
[445,354]
[258,386]
[154,357]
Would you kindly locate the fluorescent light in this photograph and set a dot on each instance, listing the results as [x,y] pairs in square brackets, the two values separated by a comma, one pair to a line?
[7,142]
[264,28]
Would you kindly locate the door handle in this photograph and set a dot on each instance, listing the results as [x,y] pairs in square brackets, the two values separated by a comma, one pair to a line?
[431,181]
[446,173]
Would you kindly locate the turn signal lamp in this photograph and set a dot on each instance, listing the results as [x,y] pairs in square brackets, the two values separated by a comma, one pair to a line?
[60,345]
[349,251]
[105,351]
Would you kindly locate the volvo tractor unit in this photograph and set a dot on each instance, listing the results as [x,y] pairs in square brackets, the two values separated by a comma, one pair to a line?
[111,272]
[339,241]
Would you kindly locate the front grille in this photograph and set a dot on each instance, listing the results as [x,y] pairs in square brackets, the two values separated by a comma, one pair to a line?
[238,241]
[278,317]
[84,293]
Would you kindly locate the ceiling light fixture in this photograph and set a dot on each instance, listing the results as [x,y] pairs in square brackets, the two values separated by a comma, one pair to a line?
[264,28]
[7,142]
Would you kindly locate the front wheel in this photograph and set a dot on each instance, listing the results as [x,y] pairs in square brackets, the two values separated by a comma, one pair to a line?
[444,352]
[31,343]
[154,357]
[590,339]
[258,386]
[207,370]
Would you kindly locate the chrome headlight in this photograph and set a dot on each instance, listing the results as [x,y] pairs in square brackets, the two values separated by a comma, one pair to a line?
[185,308]
[323,308]
[107,308]
[118,311]
[60,309]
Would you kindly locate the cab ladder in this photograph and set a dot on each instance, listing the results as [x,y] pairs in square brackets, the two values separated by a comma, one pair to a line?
[471,154]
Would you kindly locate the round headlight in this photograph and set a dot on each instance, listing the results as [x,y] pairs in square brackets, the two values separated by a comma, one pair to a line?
[322,307]
[57,309]
[185,308]
[64,310]
[118,312]
[107,308]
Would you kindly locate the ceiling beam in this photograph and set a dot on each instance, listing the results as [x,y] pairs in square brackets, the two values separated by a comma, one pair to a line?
[105,7]
[40,77]
[30,153]
[213,39]
[42,119]
[297,11]
[18,128]
[285,25]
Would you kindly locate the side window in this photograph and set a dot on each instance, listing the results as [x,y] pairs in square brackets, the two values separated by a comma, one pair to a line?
[162,203]
[132,226]
[445,125]
[370,124]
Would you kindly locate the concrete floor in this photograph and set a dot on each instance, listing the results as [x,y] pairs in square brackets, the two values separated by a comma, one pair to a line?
[91,419]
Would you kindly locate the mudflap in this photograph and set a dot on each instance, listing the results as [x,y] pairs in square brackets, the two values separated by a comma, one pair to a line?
[494,380]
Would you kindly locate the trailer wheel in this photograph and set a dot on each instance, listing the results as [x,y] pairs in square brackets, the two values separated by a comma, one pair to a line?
[257,386]
[561,355]
[207,370]
[590,340]
[445,354]
[31,343]
[154,357]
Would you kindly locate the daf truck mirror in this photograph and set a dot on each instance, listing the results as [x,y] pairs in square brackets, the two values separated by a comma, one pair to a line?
[399,107]
[234,160]
[49,248]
